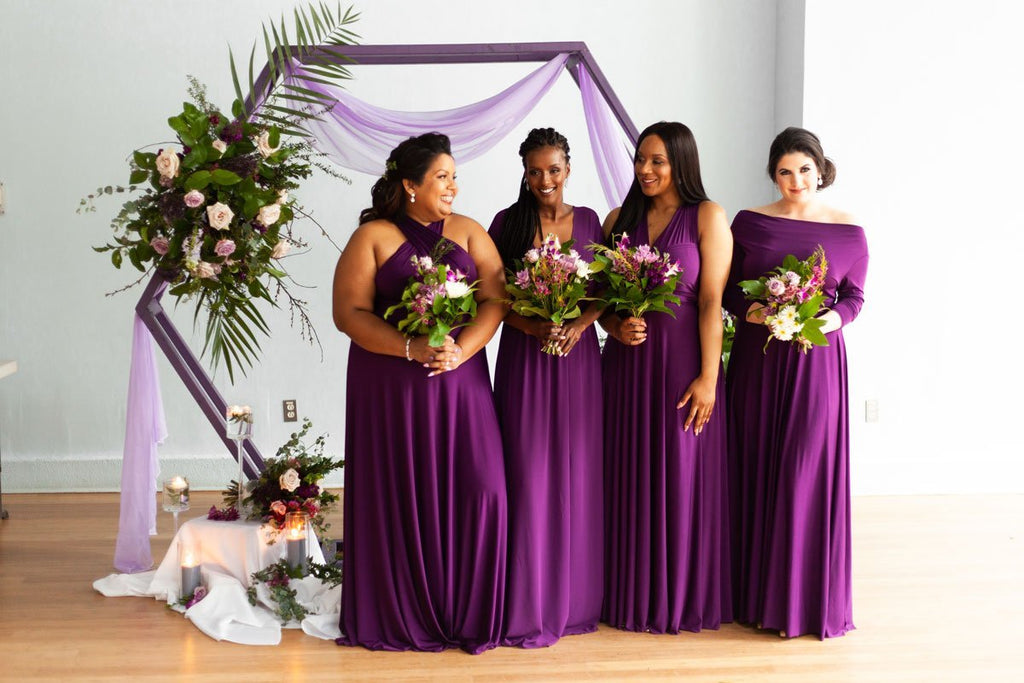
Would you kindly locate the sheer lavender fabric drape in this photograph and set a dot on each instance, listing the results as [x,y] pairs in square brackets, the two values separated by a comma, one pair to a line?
[359,136]
[144,429]
[613,152]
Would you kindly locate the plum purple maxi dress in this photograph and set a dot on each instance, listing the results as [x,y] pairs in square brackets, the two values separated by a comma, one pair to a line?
[789,439]
[667,524]
[549,408]
[425,499]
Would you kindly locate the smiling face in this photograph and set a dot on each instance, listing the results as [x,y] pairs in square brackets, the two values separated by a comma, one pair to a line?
[546,172]
[435,193]
[796,174]
[652,167]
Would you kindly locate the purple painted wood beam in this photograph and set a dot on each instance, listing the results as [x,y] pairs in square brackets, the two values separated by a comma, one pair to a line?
[470,53]
[190,371]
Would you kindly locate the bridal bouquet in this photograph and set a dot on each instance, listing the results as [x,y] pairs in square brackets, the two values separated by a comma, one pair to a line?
[290,482]
[437,300]
[548,283]
[792,294]
[636,279]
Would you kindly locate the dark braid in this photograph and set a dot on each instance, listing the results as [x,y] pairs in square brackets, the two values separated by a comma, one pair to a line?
[522,219]
[409,161]
[682,157]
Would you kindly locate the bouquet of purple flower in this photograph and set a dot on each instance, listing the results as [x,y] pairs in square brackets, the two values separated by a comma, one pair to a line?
[437,300]
[548,283]
[793,298]
[637,279]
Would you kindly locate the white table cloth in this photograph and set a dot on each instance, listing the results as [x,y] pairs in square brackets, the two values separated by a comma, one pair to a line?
[230,552]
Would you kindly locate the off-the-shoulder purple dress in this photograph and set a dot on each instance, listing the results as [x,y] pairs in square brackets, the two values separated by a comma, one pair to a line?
[549,408]
[667,523]
[789,440]
[425,500]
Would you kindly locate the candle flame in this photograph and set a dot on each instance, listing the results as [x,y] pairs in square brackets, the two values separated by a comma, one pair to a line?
[189,559]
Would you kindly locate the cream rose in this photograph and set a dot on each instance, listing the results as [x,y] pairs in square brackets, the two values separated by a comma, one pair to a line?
[207,270]
[167,163]
[280,249]
[289,481]
[269,214]
[219,215]
[220,146]
[282,196]
[263,144]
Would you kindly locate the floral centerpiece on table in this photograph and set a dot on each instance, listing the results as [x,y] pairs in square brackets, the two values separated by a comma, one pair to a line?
[793,298]
[548,283]
[437,299]
[290,482]
[213,212]
[636,279]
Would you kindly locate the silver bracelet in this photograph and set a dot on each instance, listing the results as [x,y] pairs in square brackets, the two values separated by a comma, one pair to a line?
[408,340]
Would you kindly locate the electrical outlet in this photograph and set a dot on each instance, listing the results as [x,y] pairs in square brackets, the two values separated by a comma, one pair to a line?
[871,410]
[290,412]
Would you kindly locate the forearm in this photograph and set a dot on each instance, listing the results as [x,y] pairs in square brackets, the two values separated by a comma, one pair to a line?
[709,325]
[524,325]
[372,333]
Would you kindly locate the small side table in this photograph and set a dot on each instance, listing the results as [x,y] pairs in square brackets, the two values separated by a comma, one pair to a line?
[7,367]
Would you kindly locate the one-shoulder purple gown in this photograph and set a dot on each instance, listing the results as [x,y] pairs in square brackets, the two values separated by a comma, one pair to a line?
[667,550]
[789,439]
[425,500]
[550,414]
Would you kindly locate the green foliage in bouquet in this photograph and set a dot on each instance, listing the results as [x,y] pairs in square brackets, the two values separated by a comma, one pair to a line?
[636,279]
[290,482]
[213,214]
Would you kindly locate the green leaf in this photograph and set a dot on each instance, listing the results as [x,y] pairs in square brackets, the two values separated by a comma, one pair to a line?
[145,160]
[179,125]
[115,258]
[224,177]
[137,176]
[198,180]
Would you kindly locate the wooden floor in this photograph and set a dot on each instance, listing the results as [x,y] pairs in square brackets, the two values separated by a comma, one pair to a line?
[938,596]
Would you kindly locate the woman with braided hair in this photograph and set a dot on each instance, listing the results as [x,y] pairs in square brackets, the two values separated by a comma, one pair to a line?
[548,406]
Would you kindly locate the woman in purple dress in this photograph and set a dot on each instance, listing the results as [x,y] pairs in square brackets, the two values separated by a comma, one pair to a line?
[788,427]
[425,500]
[666,510]
[549,407]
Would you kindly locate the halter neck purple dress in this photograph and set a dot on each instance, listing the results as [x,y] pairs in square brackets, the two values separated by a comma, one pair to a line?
[667,550]
[789,439]
[425,500]
[550,414]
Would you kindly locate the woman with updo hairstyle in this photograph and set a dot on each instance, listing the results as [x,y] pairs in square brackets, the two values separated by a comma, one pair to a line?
[666,509]
[548,407]
[789,453]
[425,498]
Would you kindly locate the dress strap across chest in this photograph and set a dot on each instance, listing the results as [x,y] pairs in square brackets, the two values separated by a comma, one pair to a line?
[423,238]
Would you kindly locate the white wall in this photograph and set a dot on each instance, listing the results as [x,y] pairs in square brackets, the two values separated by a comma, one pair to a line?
[919,105]
[86,82]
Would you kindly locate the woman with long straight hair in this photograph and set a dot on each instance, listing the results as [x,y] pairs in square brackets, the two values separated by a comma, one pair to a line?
[666,508]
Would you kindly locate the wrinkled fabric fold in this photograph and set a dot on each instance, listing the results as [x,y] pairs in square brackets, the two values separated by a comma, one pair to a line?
[144,430]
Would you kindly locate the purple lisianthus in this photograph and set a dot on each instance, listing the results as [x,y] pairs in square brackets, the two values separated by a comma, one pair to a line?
[194,199]
[160,244]
[523,279]
[198,595]
[224,247]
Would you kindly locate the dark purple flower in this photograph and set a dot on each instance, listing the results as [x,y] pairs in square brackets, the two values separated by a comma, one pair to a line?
[308,491]
[232,132]
[214,119]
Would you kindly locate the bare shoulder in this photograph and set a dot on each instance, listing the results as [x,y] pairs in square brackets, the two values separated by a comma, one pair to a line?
[376,232]
[840,216]
[767,210]
[710,211]
[610,219]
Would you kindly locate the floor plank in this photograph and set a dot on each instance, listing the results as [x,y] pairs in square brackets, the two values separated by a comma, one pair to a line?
[938,596]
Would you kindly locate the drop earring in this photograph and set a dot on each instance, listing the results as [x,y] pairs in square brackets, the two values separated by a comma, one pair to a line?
[820,181]
[412,197]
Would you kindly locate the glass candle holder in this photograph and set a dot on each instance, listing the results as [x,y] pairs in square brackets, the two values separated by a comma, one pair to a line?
[190,559]
[295,539]
[176,494]
[238,428]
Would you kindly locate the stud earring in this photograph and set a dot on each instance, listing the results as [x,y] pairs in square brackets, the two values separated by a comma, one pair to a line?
[412,197]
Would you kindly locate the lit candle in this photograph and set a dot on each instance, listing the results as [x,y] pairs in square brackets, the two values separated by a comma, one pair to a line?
[190,577]
[295,539]
[176,494]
